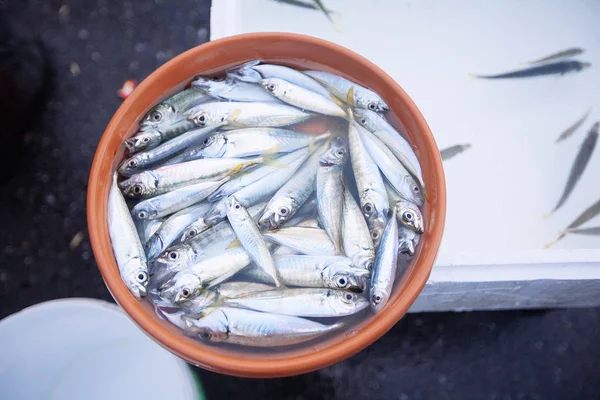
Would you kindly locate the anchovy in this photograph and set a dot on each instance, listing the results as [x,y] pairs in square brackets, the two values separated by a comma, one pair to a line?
[581,162]
[571,130]
[254,329]
[575,51]
[557,68]
[452,151]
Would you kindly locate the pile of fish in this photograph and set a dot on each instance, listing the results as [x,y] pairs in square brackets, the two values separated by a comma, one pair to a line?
[242,228]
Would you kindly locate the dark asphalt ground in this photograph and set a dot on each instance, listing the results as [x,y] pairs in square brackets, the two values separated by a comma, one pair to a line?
[93,48]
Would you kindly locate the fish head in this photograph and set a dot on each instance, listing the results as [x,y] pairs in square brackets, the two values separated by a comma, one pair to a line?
[205,116]
[135,276]
[364,260]
[375,208]
[161,115]
[236,210]
[173,260]
[410,190]
[193,230]
[378,298]
[217,213]
[345,301]
[407,241]
[343,275]
[278,211]
[369,100]
[181,288]
[367,119]
[212,326]
[337,153]
[214,146]
[132,165]
[139,185]
[144,211]
[206,85]
[409,215]
[277,87]
[144,140]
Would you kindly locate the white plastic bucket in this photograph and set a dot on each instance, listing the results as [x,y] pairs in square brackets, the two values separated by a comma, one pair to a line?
[86,349]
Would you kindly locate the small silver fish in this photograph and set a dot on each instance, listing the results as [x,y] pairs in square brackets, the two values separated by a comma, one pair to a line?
[168,178]
[584,217]
[141,161]
[255,72]
[176,200]
[580,163]
[594,231]
[302,98]
[336,272]
[371,190]
[292,195]
[172,228]
[573,128]
[384,272]
[254,329]
[251,238]
[232,90]
[330,189]
[190,282]
[127,248]
[574,51]
[304,302]
[252,114]
[151,138]
[410,216]
[255,141]
[172,109]
[401,148]
[356,238]
[312,241]
[340,87]
[452,151]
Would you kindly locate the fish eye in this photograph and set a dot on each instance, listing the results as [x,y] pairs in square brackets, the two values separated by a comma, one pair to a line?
[142,215]
[374,234]
[142,277]
[363,121]
[192,233]
[237,206]
[348,296]
[156,116]
[340,152]
[137,189]
[146,140]
[173,255]
[283,211]
[271,87]
[205,335]
[185,293]
[377,299]
[131,164]
[416,189]
[206,141]
[201,119]
[368,208]
[408,216]
[372,106]
[342,281]
[370,265]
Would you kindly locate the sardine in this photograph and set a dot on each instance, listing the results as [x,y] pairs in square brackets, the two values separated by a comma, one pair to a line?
[127,248]
[255,141]
[371,190]
[141,161]
[452,151]
[340,87]
[572,52]
[356,239]
[166,179]
[336,272]
[310,241]
[571,130]
[330,189]
[398,176]
[175,200]
[292,195]
[302,98]
[258,173]
[238,114]
[249,235]
[580,163]
[401,148]
[556,68]
[232,90]
[304,302]
[585,216]
[190,282]
[258,191]
[254,329]
[255,72]
[384,272]
[151,138]
[172,228]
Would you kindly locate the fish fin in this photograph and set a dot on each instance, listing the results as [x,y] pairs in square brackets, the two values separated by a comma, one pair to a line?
[269,157]
[234,244]
[236,169]
[232,118]
[350,96]
[552,243]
